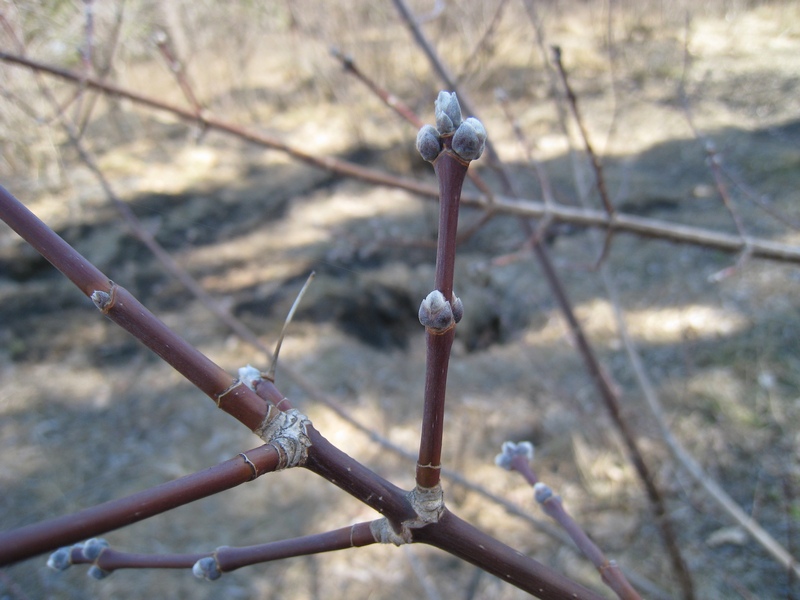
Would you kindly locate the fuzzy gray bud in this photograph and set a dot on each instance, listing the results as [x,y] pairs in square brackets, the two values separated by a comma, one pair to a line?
[470,139]
[61,559]
[542,492]
[93,547]
[511,450]
[429,144]
[206,568]
[96,572]
[448,113]
[435,312]
[458,308]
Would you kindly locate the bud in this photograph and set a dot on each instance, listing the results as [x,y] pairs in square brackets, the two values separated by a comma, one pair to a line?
[511,450]
[96,572]
[458,308]
[435,312]
[206,568]
[470,139]
[93,547]
[448,113]
[429,144]
[61,559]
[542,492]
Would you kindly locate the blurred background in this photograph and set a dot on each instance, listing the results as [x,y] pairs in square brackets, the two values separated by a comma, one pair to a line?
[88,415]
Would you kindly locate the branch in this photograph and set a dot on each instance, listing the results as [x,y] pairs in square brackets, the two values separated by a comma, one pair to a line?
[517,457]
[602,383]
[31,540]
[122,308]
[529,208]
[211,565]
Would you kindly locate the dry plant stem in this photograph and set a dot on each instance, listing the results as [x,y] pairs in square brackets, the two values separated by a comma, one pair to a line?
[450,533]
[607,391]
[174,269]
[482,42]
[679,453]
[31,540]
[450,171]
[178,70]
[573,104]
[532,209]
[609,571]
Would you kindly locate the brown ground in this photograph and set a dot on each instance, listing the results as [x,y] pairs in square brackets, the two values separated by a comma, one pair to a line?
[88,415]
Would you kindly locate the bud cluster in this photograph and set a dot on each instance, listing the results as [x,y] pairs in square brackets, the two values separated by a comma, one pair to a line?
[469,135]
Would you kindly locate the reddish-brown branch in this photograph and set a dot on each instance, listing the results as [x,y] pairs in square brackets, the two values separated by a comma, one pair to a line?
[122,308]
[45,536]
[450,171]
[230,558]
[328,461]
[461,539]
[429,463]
[595,160]
[592,364]
[553,506]
[356,536]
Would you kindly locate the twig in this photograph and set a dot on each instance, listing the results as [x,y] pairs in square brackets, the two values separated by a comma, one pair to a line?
[238,327]
[44,536]
[679,453]
[597,168]
[517,457]
[177,68]
[528,208]
[482,42]
[603,385]
[211,565]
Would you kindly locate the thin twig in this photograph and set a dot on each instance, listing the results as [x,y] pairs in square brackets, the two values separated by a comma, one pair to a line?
[598,374]
[528,208]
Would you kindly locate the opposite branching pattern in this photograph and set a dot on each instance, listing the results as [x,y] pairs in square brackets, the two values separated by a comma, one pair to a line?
[291,440]
[468,136]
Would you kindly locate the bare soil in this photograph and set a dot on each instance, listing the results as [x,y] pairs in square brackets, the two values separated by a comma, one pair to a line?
[88,415]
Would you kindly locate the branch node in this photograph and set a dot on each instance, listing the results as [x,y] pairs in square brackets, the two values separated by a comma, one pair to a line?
[287,433]
[383,533]
[105,301]
[428,503]
[436,313]
[250,463]
[207,568]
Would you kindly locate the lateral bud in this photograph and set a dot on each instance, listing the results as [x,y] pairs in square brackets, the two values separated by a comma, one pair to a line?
[435,313]
[429,144]
[469,140]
